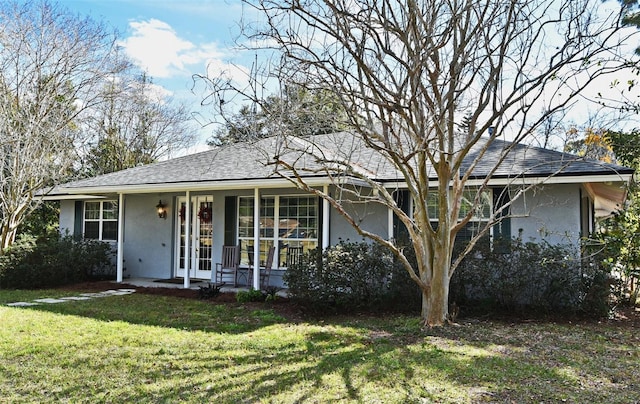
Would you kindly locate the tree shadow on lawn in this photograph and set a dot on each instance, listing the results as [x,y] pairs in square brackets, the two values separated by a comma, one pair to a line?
[393,356]
[343,360]
[334,365]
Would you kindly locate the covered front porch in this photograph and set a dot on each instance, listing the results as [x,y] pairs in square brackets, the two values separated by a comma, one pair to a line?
[180,230]
[194,226]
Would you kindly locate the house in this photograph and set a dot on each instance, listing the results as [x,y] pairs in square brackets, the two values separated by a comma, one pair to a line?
[232,196]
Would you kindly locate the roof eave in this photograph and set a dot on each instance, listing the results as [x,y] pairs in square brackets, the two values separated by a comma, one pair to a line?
[92,191]
[533,180]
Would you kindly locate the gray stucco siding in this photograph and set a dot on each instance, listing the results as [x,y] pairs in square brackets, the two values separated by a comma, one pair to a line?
[67,216]
[549,212]
[372,217]
[148,242]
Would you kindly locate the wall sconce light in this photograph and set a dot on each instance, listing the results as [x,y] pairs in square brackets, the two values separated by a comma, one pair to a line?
[162,210]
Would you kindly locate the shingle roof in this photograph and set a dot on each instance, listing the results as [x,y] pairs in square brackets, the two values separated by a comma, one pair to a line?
[530,161]
[248,161]
[230,162]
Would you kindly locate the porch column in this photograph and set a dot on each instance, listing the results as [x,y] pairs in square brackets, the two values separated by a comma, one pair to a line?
[325,219]
[120,252]
[256,239]
[187,237]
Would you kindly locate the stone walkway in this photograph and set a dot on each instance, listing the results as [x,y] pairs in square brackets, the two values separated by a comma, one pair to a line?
[81,296]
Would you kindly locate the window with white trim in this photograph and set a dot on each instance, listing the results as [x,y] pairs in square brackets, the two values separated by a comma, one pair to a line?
[481,211]
[101,220]
[285,221]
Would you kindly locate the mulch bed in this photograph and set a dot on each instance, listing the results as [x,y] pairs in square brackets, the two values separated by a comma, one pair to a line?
[282,306]
[625,316]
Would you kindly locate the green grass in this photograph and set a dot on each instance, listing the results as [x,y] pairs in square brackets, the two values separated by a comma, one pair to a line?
[143,348]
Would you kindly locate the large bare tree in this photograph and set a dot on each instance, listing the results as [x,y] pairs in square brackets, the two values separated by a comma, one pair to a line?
[137,123]
[429,85]
[52,65]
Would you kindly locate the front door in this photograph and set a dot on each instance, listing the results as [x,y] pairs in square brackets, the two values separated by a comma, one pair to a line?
[201,240]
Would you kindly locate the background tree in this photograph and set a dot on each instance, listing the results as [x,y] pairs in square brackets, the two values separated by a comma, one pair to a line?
[592,143]
[406,73]
[52,65]
[620,235]
[309,112]
[632,16]
[616,244]
[136,124]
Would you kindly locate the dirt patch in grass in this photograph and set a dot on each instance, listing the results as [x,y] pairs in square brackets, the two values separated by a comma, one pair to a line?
[624,316]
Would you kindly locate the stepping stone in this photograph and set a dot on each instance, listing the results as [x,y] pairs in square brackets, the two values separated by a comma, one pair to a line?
[76,298]
[49,300]
[82,296]
[121,293]
[91,294]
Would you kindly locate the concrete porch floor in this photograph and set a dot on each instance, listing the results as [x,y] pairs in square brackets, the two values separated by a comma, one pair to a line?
[156,283]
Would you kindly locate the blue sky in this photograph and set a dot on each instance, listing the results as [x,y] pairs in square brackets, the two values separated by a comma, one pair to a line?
[172,40]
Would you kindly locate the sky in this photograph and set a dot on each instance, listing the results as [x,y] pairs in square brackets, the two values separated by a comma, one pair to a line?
[174,39]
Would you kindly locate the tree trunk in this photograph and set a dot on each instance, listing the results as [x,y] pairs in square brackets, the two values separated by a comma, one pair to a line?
[8,236]
[435,302]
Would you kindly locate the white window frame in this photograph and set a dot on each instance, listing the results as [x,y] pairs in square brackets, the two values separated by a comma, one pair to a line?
[275,239]
[101,220]
[461,214]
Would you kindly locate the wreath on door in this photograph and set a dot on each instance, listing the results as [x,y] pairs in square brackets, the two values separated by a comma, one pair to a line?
[204,214]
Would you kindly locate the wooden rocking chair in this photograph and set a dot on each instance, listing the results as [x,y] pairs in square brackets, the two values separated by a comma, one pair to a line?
[228,266]
[265,272]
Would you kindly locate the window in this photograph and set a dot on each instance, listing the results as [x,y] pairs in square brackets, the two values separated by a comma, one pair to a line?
[245,227]
[481,213]
[285,221]
[101,220]
[480,216]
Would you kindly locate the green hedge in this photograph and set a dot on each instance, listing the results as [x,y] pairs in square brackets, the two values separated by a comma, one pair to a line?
[529,276]
[351,276]
[54,260]
[516,276]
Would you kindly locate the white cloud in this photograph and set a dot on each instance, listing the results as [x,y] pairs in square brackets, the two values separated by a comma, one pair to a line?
[156,48]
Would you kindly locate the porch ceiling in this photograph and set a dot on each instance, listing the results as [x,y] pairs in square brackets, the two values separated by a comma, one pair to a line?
[608,197]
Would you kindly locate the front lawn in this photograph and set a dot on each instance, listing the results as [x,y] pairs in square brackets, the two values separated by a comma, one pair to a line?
[147,348]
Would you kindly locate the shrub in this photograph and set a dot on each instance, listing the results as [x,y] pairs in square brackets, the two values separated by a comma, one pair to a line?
[209,292]
[251,295]
[515,276]
[348,276]
[270,293]
[605,284]
[54,260]
[528,276]
[404,294]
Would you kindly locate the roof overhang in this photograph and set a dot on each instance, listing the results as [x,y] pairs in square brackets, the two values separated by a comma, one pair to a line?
[608,198]
[608,191]
[96,192]
[71,197]
[558,179]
